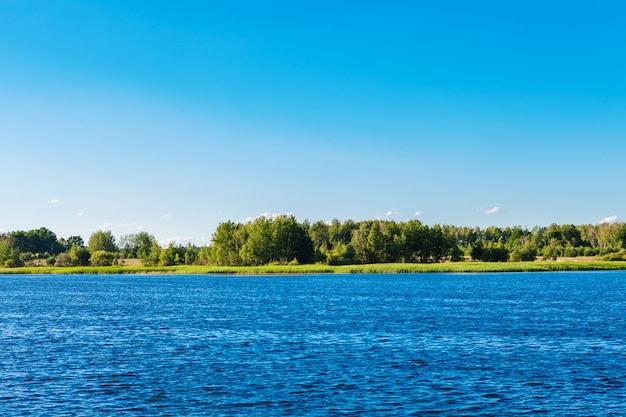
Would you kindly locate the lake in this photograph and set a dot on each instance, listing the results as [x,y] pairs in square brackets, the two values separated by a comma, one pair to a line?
[314,345]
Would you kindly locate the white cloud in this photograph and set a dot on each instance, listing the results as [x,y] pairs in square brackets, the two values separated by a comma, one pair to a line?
[493,210]
[165,216]
[80,214]
[54,201]
[610,219]
[391,213]
[417,213]
[269,216]
[104,226]
[129,224]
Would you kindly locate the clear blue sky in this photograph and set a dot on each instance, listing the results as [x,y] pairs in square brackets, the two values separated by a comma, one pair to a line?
[170,117]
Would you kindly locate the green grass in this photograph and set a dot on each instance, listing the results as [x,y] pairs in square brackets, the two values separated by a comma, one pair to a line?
[466,267]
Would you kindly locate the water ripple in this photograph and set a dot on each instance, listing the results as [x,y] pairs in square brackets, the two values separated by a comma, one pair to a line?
[476,345]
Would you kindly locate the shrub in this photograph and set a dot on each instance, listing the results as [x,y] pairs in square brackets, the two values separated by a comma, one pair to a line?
[616,256]
[570,252]
[524,254]
[591,251]
[495,254]
[27,256]
[456,254]
[12,263]
[102,258]
[63,259]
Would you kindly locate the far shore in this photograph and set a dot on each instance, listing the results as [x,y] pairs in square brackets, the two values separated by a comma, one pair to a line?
[574,264]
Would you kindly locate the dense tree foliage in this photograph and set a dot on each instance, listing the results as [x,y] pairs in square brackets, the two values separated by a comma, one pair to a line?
[140,245]
[263,241]
[102,241]
[284,240]
[38,241]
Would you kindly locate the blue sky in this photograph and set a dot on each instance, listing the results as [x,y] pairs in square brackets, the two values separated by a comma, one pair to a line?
[172,117]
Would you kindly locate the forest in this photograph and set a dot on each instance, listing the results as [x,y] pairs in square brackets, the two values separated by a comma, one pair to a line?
[284,240]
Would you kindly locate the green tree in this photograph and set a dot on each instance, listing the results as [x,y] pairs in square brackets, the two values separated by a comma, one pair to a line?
[102,241]
[169,255]
[495,253]
[136,245]
[191,253]
[226,244]
[75,240]
[620,236]
[571,235]
[150,256]
[360,243]
[341,254]
[39,241]
[375,243]
[62,259]
[320,235]
[9,257]
[552,251]
[79,255]
[456,254]
[439,246]
[526,252]
[102,258]
[258,248]
[417,242]
[341,232]
[493,234]
[476,250]
[392,241]
[290,241]
[71,241]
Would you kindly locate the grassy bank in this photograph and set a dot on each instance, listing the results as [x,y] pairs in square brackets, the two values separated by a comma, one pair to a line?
[467,267]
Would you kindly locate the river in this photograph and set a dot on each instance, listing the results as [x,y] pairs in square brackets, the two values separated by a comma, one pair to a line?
[314,345]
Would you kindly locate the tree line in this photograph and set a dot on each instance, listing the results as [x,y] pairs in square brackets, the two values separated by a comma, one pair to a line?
[284,240]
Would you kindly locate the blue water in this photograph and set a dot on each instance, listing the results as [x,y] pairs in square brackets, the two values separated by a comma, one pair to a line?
[321,345]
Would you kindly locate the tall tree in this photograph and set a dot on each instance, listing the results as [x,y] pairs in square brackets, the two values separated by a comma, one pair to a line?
[320,235]
[416,241]
[290,241]
[102,241]
[136,245]
[37,241]
[375,243]
[226,244]
[620,236]
[258,248]
[359,242]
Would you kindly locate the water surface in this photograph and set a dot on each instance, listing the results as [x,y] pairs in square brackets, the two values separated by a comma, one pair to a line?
[314,345]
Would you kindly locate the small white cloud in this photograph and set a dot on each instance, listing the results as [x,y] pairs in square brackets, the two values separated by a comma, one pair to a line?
[610,219]
[391,213]
[166,216]
[493,210]
[417,213]
[80,214]
[54,201]
[104,226]
[267,215]
[129,224]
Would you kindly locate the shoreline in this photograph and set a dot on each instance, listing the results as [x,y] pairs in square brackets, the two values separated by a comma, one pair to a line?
[396,268]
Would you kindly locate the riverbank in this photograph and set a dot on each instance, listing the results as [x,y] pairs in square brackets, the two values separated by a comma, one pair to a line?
[398,268]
